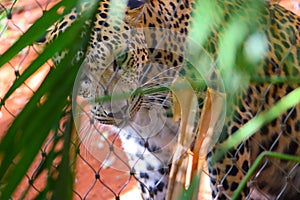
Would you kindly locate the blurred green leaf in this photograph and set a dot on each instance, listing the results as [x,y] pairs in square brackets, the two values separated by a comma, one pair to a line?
[234,64]
[38,29]
[23,140]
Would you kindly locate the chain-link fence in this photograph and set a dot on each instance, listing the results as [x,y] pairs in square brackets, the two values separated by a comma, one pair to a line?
[92,179]
[99,165]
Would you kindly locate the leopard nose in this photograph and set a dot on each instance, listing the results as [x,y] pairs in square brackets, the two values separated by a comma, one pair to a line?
[116,115]
[110,114]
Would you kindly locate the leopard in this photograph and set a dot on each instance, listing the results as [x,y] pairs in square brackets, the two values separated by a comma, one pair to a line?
[130,51]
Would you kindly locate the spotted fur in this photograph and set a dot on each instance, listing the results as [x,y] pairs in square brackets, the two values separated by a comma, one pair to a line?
[122,50]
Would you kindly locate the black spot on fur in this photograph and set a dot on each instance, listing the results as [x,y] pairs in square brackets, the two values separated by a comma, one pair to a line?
[144,175]
[245,166]
[225,184]
[234,186]
[233,170]
[159,186]
[150,167]
[63,25]
[142,188]
[132,4]
[297,125]
[164,170]
[103,15]
[291,148]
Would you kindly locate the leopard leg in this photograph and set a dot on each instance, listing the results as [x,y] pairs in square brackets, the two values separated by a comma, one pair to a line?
[150,155]
[149,166]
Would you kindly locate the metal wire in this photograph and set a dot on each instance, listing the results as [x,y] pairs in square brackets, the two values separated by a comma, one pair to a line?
[94,179]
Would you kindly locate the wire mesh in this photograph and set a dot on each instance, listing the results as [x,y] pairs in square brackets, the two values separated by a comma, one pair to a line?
[16,18]
[98,177]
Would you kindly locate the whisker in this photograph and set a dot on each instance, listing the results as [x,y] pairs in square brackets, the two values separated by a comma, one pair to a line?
[159,74]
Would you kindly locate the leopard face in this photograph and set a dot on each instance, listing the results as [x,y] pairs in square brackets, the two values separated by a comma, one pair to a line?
[115,44]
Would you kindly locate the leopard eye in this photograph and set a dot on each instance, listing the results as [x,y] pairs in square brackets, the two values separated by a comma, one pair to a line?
[121,59]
